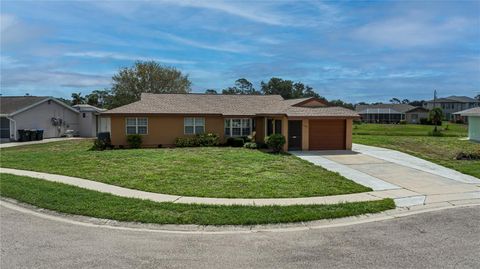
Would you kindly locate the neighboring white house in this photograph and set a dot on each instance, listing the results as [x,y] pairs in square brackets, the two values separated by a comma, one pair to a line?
[473,115]
[89,120]
[45,113]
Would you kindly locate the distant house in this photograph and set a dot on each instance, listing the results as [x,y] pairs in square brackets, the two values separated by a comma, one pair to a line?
[45,113]
[391,113]
[452,104]
[473,115]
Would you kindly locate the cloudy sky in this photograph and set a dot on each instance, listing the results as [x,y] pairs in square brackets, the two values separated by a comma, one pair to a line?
[352,50]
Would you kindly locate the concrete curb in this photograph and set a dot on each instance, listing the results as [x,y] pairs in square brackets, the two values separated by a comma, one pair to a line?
[229,229]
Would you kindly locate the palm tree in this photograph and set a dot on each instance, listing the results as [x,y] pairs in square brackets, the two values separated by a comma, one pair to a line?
[77,98]
[436,115]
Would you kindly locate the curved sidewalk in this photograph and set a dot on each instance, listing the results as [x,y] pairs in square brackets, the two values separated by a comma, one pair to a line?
[158,197]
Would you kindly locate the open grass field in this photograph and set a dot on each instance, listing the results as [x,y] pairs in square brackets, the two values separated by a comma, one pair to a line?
[447,128]
[203,172]
[78,201]
[408,139]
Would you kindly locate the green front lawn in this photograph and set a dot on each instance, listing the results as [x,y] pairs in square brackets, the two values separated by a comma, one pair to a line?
[205,172]
[447,128]
[74,200]
[440,150]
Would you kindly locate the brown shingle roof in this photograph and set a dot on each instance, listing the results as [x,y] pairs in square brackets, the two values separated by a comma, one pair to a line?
[10,104]
[227,105]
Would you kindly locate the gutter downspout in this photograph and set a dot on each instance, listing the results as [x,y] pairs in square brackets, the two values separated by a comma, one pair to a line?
[14,127]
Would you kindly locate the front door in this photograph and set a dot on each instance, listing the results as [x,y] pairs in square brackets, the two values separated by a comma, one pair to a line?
[294,135]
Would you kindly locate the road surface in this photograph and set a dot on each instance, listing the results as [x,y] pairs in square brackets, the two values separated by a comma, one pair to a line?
[441,239]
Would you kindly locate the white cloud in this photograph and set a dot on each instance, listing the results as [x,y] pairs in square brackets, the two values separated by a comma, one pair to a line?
[234,47]
[249,10]
[32,79]
[121,56]
[411,31]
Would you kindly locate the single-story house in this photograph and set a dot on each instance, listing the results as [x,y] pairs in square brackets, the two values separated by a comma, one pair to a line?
[306,123]
[473,115]
[44,113]
[391,113]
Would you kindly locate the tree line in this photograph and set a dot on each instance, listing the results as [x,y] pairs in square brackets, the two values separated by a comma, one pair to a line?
[152,77]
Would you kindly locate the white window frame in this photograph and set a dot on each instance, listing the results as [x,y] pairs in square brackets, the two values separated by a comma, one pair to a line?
[230,128]
[136,125]
[194,120]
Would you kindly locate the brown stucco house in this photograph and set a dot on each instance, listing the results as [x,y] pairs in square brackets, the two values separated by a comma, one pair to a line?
[307,123]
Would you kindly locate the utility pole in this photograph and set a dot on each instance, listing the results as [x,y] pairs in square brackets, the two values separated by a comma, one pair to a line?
[434,98]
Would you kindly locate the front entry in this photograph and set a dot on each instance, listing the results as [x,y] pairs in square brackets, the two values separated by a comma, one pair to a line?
[294,135]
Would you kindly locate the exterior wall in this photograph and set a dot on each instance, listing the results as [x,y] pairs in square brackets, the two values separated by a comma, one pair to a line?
[39,117]
[87,125]
[348,133]
[285,132]
[409,116]
[305,134]
[163,130]
[474,128]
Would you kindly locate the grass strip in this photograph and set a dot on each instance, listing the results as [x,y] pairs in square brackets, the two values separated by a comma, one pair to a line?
[74,200]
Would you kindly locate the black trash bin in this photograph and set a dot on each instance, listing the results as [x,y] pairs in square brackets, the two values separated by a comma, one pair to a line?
[39,134]
[22,137]
[33,134]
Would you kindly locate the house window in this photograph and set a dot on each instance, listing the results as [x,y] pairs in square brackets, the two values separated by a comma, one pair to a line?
[193,126]
[137,126]
[238,127]
[83,115]
[274,127]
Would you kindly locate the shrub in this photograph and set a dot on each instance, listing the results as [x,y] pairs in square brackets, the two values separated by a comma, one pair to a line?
[134,141]
[275,142]
[435,132]
[207,140]
[102,142]
[200,140]
[250,145]
[460,121]
[236,142]
[246,139]
[182,142]
[402,122]
[468,156]
[426,121]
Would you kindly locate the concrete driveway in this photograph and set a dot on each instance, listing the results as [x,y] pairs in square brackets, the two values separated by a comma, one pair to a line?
[422,182]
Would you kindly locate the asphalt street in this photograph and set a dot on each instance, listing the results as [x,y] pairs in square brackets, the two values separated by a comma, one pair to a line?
[441,239]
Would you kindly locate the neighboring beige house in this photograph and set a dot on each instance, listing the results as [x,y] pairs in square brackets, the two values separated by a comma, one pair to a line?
[44,113]
[452,104]
[306,123]
[391,113]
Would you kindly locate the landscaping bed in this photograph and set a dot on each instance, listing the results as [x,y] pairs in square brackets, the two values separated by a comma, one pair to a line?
[446,151]
[203,172]
[73,200]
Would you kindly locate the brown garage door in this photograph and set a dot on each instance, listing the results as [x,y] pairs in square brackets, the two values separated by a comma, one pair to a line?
[326,134]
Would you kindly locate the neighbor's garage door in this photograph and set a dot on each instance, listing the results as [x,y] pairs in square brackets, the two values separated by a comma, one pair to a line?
[326,134]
